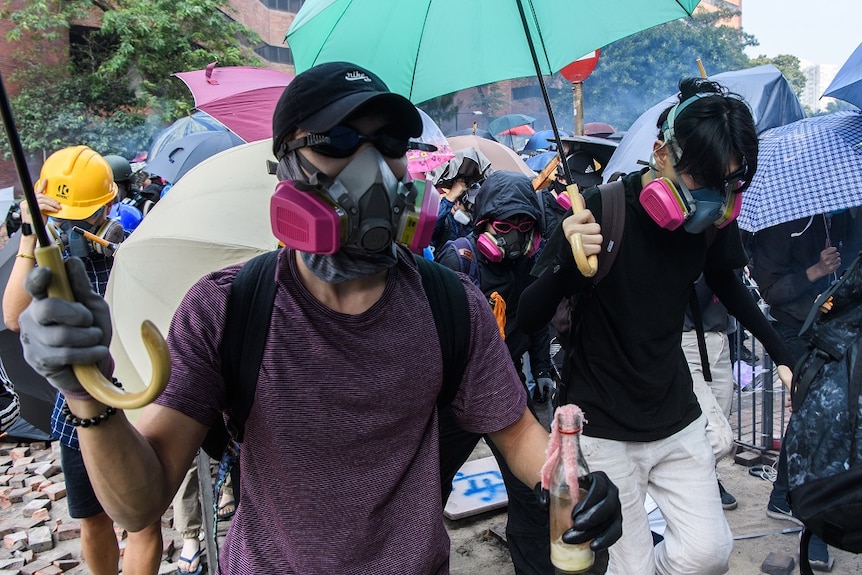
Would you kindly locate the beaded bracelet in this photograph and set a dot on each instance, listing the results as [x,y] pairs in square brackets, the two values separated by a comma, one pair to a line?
[78,422]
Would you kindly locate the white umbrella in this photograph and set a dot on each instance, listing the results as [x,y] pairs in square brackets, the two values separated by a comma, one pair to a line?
[217,215]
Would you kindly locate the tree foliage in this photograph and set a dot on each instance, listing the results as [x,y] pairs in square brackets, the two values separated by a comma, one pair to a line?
[789,66]
[113,89]
[635,73]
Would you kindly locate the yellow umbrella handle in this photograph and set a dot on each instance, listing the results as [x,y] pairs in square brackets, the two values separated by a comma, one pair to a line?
[97,385]
[587,265]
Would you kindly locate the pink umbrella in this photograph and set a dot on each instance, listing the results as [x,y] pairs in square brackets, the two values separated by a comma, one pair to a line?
[241,98]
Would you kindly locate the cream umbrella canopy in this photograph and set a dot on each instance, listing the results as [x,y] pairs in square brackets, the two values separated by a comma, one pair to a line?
[217,215]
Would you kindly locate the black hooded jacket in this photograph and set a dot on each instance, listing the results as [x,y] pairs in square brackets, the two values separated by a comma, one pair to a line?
[504,195]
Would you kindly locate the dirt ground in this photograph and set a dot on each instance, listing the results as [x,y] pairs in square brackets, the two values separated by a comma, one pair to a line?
[476,551]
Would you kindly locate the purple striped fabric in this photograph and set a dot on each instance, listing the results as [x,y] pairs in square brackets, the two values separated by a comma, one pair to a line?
[340,459]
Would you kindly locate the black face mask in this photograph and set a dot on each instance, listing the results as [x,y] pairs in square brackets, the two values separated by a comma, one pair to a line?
[515,244]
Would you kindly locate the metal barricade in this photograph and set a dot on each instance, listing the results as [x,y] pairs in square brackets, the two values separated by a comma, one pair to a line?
[758,415]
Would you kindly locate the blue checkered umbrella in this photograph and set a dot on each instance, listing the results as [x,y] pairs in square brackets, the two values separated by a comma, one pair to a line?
[812,166]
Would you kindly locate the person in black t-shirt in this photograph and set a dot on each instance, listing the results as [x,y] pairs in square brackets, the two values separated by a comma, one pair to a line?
[625,366]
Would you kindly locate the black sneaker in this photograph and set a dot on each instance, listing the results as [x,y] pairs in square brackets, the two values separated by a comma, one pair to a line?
[818,555]
[781,510]
[728,501]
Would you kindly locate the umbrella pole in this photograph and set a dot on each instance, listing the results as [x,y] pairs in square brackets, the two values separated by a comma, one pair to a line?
[588,265]
[21,163]
[547,99]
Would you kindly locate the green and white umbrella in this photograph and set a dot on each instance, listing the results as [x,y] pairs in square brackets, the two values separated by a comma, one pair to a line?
[427,48]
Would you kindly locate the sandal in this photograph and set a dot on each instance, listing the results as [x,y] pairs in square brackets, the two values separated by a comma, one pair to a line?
[226,510]
[189,561]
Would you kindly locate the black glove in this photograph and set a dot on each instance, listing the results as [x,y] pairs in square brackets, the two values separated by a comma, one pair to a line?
[598,515]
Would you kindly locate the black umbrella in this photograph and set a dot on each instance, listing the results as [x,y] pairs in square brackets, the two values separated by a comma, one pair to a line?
[36,394]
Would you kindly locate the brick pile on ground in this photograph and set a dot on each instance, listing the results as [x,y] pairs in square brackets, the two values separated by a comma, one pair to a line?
[38,536]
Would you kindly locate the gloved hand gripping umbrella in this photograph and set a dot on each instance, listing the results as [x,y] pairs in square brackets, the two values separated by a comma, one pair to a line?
[48,255]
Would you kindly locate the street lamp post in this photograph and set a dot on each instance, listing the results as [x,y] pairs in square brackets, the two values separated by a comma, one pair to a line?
[473,113]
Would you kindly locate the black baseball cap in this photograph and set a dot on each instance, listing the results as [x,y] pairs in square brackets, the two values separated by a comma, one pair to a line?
[324,95]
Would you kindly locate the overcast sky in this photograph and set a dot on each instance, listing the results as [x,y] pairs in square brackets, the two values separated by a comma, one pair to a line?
[821,31]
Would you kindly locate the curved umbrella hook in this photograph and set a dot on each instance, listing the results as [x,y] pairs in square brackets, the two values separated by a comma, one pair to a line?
[49,255]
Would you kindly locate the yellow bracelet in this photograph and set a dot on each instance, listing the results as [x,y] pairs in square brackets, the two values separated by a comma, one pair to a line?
[27,256]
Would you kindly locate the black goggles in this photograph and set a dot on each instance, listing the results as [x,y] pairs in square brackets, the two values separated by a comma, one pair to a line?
[343,141]
[738,181]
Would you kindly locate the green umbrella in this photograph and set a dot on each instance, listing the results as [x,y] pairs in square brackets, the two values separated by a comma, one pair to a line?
[427,48]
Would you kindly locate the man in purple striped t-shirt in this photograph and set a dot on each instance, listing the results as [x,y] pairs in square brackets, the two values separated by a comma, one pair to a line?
[340,459]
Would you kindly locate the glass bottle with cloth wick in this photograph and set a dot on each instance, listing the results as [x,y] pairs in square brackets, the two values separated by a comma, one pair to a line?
[560,477]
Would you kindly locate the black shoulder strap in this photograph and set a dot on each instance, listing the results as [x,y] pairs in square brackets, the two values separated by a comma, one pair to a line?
[249,312]
[697,319]
[613,224]
[451,318]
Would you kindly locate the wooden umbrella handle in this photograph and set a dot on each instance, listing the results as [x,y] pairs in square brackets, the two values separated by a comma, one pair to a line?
[587,265]
[92,379]
[544,177]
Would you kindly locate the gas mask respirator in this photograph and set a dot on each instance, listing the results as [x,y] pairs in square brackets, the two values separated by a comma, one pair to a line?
[510,241]
[363,210]
[672,206]
[77,245]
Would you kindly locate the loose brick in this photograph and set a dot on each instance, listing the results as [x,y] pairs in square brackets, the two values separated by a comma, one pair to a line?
[39,539]
[66,564]
[35,567]
[17,481]
[47,469]
[11,539]
[33,481]
[56,555]
[49,570]
[34,495]
[56,491]
[778,564]
[35,506]
[13,563]
[747,458]
[19,452]
[17,495]
[17,470]
[26,554]
[68,531]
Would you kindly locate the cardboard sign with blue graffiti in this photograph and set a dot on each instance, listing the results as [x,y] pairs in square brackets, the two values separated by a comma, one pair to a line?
[477,487]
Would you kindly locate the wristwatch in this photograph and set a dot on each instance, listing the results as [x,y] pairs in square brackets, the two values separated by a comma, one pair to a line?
[26,229]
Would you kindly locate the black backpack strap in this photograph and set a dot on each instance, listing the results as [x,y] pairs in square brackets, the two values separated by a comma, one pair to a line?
[249,313]
[451,312]
[697,319]
[613,224]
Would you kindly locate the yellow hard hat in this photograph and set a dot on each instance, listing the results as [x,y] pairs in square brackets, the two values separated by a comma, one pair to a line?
[81,180]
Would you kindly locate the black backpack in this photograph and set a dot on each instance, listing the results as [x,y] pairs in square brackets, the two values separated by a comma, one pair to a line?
[247,325]
[824,436]
[613,224]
